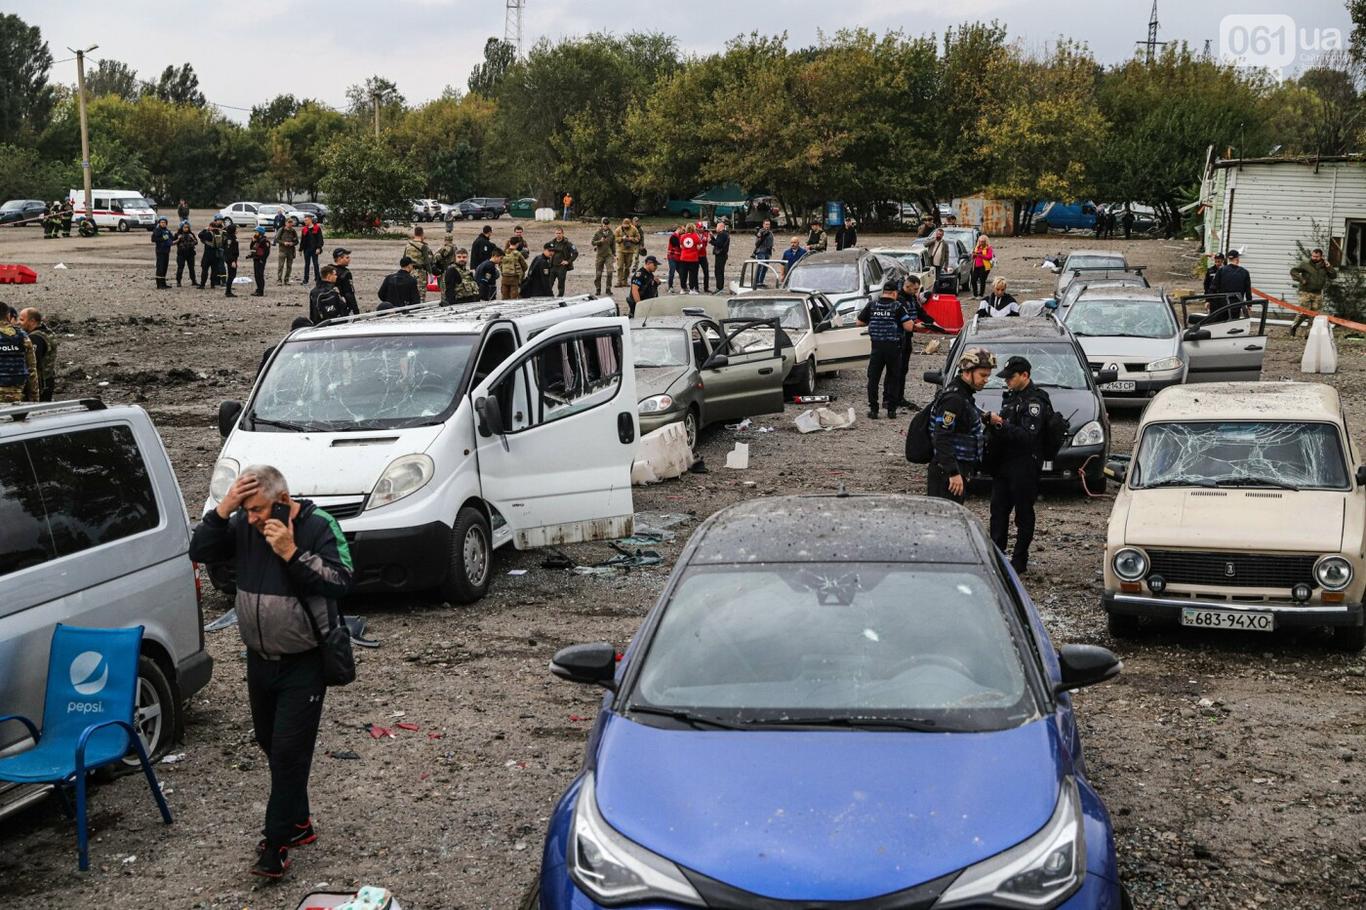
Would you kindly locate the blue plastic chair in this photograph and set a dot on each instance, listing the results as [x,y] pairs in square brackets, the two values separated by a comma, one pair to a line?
[92,682]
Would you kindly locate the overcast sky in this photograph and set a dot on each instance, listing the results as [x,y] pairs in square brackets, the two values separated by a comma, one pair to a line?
[245,53]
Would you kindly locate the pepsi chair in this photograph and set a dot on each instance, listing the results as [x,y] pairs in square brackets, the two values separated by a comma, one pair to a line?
[92,682]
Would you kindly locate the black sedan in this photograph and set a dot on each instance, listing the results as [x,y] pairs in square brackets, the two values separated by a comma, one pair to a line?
[1061,369]
[316,209]
[22,212]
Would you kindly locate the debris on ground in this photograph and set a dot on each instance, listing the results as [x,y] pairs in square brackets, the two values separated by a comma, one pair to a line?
[741,426]
[825,419]
[227,619]
[738,458]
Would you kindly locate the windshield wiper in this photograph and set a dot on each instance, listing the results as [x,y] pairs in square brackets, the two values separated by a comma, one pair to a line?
[697,721]
[1179,482]
[1255,482]
[282,424]
[919,725]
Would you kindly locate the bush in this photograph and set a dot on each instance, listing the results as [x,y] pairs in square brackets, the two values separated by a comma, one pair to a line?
[366,184]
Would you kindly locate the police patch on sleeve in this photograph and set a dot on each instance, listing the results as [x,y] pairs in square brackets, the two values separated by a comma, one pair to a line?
[948,418]
[1035,410]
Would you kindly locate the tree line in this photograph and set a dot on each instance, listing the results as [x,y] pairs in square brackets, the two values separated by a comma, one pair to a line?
[624,122]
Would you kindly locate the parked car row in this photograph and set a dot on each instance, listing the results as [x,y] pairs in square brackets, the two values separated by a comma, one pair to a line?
[475,208]
[257,214]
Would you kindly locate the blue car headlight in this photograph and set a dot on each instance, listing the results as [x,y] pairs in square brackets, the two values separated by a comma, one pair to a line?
[613,870]
[1040,872]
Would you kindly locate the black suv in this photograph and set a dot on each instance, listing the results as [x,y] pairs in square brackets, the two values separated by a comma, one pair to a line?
[19,211]
[1061,370]
[489,206]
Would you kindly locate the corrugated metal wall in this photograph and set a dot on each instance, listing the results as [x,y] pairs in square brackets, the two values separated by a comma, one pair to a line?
[995,217]
[1264,209]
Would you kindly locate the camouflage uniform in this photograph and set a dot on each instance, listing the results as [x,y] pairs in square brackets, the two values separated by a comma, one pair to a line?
[442,261]
[47,365]
[19,383]
[514,270]
[815,241]
[421,254]
[605,244]
[287,239]
[627,239]
[639,251]
[563,253]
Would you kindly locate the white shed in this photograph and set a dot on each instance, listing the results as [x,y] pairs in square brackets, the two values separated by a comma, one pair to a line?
[1264,206]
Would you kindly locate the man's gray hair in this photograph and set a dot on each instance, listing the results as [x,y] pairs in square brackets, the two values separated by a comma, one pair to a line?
[271,480]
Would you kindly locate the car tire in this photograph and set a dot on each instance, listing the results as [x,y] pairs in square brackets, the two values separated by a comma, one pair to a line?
[122,226]
[1351,639]
[227,220]
[1122,626]
[691,424]
[469,565]
[808,383]
[158,718]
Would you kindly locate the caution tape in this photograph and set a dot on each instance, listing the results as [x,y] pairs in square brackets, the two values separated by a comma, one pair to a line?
[1305,311]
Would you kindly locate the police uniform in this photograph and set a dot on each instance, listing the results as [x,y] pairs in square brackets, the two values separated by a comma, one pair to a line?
[645,280]
[605,244]
[886,318]
[1017,446]
[912,304]
[958,432]
[346,282]
[162,239]
[185,243]
[229,252]
[18,366]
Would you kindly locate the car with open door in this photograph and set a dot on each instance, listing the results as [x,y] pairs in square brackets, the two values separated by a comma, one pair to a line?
[1134,333]
[447,432]
[848,279]
[1226,342]
[820,346]
[1243,509]
[914,260]
[865,719]
[697,371]
[1061,369]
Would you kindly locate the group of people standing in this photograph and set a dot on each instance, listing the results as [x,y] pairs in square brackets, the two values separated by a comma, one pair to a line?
[28,356]
[220,249]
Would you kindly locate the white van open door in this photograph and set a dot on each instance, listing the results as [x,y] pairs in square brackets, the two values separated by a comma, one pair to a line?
[555,429]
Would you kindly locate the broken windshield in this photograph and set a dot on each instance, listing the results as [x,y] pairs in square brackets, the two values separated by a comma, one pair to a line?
[1117,318]
[1241,453]
[377,382]
[790,313]
[825,277]
[1053,365]
[660,347]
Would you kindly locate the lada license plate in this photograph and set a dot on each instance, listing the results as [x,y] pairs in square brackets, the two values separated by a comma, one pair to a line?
[1121,385]
[1227,619]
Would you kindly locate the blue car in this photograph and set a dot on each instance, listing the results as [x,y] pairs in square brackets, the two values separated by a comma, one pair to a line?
[838,702]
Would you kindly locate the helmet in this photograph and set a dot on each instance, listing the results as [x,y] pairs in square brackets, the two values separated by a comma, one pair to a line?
[976,358]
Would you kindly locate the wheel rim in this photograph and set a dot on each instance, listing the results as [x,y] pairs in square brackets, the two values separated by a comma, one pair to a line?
[811,377]
[690,428]
[148,718]
[476,553]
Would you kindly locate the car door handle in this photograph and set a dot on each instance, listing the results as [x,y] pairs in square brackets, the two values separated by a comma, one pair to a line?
[1253,347]
[626,428]
[766,371]
[1235,331]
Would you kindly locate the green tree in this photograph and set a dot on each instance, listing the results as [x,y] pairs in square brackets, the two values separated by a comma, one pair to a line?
[274,112]
[113,77]
[360,103]
[365,181]
[178,85]
[26,175]
[444,141]
[25,96]
[485,78]
[295,148]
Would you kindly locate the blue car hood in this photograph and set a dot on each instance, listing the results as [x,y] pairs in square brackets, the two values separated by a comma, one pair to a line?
[826,815]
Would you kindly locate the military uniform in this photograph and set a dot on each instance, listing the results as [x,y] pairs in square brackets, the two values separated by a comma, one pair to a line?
[460,285]
[162,239]
[45,355]
[605,249]
[229,251]
[1017,460]
[514,270]
[563,254]
[442,261]
[640,250]
[886,319]
[627,240]
[421,254]
[287,239]
[959,436]
[815,241]
[18,366]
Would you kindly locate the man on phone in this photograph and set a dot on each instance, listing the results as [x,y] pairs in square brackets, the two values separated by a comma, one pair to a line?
[292,566]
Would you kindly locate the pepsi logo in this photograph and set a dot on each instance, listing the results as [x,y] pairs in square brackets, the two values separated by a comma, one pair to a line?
[89,673]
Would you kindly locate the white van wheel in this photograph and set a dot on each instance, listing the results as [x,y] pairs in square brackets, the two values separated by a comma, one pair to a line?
[470,563]
[123,226]
[156,717]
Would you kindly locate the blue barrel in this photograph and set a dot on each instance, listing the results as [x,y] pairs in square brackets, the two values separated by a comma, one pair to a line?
[834,214]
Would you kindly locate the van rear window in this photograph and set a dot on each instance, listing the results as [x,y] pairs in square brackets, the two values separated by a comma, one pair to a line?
[66,493]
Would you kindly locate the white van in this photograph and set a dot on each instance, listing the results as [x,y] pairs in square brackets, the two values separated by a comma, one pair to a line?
[117,210]
[436,434]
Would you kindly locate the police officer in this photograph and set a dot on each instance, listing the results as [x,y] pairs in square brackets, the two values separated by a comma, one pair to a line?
[1235,282]
[346,284]
[18,362]
[1017,436]
[487,275]
[957,428]
[258,251]
[324,300]
[1215,265]
[44,350]
[888,323]
[185,244]
[644,284]
[210,257]
[162,239]
[230,250]
[912,297]
[540,274]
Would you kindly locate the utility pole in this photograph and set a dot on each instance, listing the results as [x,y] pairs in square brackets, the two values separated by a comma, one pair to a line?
[374,97]
[512,24]
[1152,43]
[85,131]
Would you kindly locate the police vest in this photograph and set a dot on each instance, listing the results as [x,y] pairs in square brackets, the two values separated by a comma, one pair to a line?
[884,321]
[968,434]
[13,363]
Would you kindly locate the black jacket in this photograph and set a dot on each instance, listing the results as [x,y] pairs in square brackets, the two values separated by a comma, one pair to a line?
[272,594]
[230,249]
[1233,279]
[325,302]
[487,275]
[481,250]
[346,286]
[538,278]
[311,241]
[956,428]
[720,244]
[1025,415]
[398,289]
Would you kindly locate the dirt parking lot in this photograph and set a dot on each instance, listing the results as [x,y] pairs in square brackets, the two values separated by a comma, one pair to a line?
[1234,764]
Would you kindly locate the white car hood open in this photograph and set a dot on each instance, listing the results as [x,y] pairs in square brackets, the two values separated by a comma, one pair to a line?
[329,464]
[1309,521]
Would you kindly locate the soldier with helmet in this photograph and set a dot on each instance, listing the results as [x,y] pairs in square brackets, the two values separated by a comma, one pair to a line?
[957,428]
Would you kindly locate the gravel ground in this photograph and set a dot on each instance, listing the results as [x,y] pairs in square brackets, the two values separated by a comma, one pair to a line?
[1233,764]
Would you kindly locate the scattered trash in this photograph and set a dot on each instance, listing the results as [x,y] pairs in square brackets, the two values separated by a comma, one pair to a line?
[741,426]
[399,714]
[738,458]
[60,265]
[357,627]
[411,728]
[435,735]
[825,419]
[578,719]
[242,279]
[227,619]
[370,897]
[517,571]
[766,430]
[557,560]
[645,537]
[699,467]
[102,384]
[932,346]
[172,759]
[624,560]
[130,859]
[348,755]
[661,520]
[377,732]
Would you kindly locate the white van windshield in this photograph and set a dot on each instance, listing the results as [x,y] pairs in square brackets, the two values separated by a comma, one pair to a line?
[377,382]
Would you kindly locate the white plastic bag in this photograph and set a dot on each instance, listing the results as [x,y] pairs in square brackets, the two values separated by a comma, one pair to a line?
[825,419]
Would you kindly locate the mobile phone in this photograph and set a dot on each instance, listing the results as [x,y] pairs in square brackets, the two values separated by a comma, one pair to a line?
[280,512]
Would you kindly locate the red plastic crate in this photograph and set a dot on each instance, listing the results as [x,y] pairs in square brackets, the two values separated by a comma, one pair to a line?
[17,274]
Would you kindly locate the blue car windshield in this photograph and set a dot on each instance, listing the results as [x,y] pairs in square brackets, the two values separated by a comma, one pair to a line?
[851,642]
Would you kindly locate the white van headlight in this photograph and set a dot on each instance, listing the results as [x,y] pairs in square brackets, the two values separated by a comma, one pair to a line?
[1166,363]
[612,869]
[404,476]
[1130,564]
[1093,434]
[1333,573]
[655,404]
[1040,872]
[224,473]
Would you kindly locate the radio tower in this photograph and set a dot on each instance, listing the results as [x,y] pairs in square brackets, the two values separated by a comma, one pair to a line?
[512,24]
[1152,43]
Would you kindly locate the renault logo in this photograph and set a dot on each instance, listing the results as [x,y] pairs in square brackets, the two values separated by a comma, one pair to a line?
[1113,366]
[1229,570]
[89,673]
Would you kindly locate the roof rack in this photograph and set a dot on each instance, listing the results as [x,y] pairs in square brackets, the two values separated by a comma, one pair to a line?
[20,412]
[1078,269]
[479,310]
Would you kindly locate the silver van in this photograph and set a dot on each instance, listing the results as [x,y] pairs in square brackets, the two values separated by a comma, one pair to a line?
[93,532]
